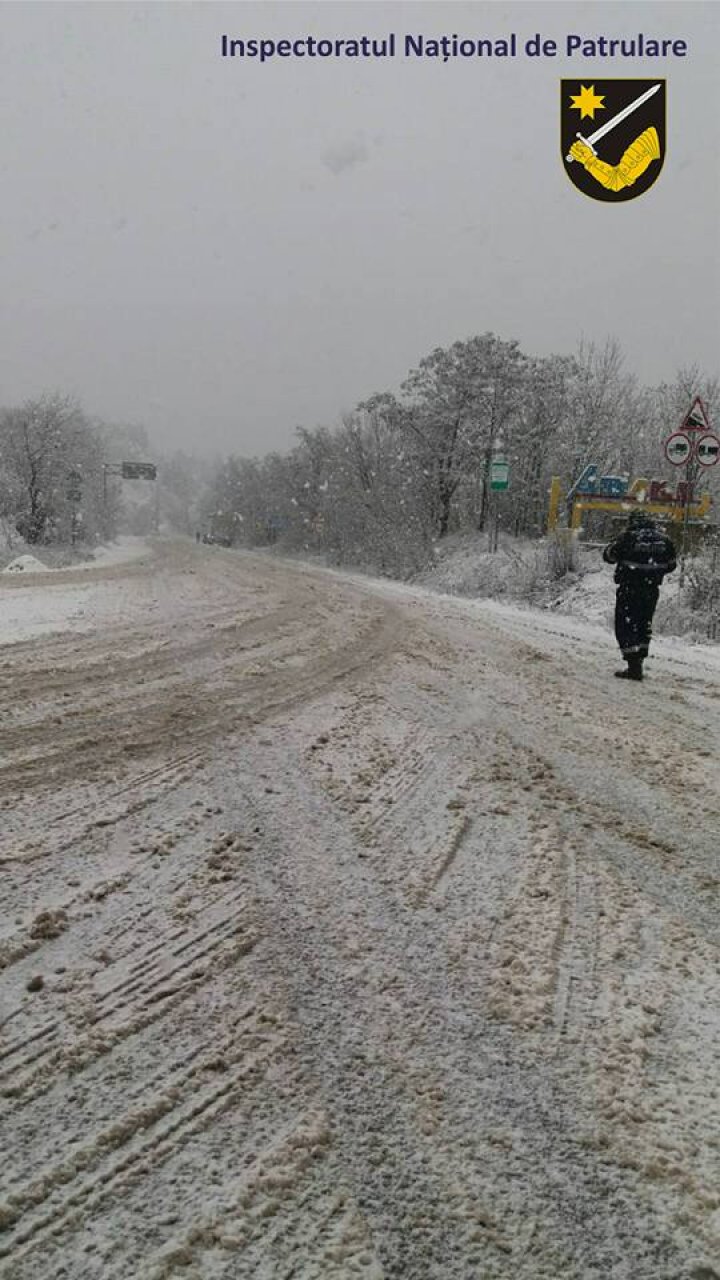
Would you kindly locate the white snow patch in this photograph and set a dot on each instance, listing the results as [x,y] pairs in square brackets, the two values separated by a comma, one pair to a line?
[39,611]
[25,564]
[51,606]
[593,596]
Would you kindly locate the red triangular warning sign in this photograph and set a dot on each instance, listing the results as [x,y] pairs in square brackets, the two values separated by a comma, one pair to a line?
[696,419]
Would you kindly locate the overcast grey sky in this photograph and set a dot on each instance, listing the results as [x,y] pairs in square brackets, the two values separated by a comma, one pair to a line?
[223,251]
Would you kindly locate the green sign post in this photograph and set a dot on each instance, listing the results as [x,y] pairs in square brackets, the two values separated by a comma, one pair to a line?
[499,474]
[499,481]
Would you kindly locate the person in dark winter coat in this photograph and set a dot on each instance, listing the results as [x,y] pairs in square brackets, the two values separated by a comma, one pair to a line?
[642,554]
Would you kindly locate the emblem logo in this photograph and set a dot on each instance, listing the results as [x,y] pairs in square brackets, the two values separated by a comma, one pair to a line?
[612,134]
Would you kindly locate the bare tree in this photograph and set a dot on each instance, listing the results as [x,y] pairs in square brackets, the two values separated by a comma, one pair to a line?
[542,419]
[458,403]
[42,443]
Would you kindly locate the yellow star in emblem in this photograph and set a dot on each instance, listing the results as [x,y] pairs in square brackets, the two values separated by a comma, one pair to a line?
[587,101]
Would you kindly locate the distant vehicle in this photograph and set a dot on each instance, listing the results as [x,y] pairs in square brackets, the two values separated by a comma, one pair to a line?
[217,540]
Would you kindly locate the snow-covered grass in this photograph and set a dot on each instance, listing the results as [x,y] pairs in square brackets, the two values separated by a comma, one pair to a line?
[522,571]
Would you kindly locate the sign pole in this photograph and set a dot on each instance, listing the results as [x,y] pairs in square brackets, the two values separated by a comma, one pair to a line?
[496,538]
[686,518]
[499,481]
[691,475]
[697,446]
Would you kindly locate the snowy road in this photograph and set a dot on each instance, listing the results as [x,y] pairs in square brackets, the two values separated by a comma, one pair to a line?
[352,931]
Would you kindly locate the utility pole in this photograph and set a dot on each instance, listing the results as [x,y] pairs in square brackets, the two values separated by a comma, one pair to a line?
[113,469]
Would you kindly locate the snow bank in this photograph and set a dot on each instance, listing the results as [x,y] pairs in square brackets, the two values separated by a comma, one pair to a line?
[517,573]
[592,597]
[57,559]
[25,564]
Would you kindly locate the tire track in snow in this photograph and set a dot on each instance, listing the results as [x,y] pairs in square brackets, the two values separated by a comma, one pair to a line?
[135,1141]
[474,1137]
[155,986]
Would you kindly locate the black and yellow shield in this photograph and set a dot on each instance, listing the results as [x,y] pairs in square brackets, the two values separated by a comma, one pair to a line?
[612,134]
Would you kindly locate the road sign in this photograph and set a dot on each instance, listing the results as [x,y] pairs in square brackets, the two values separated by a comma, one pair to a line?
[73,492]
[138,471]
[707,450]
[499,474]
[696,419]
[678,448]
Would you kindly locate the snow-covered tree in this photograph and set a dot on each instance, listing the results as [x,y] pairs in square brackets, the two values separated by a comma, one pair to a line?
[49,453]
[461,403]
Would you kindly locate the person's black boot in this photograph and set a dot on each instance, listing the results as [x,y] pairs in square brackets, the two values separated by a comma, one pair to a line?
[634,670]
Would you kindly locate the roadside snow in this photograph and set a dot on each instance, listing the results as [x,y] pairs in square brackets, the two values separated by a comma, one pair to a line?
[48,606]
[40,611]
[121,551]
[25,564]
[593,596]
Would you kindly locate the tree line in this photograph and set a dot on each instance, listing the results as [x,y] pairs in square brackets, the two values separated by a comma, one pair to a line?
[380,489]
[404,470]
